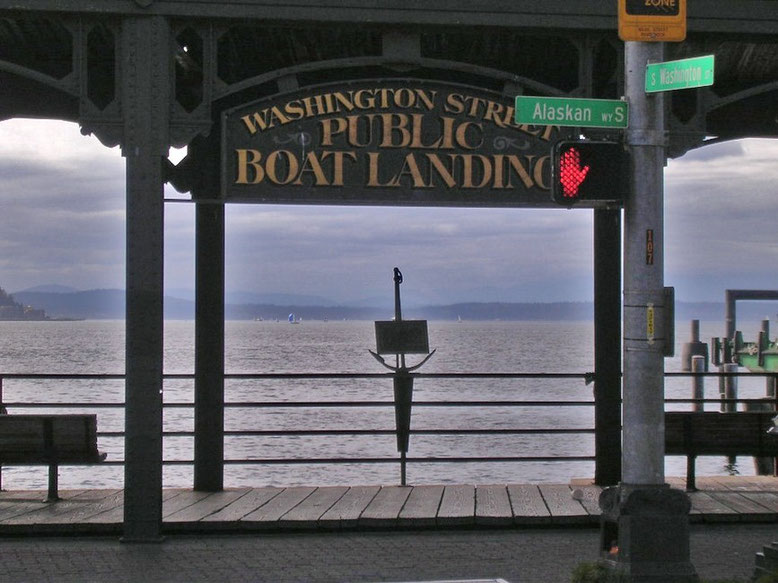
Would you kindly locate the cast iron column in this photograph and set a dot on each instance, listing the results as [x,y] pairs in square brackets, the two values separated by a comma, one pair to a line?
[607,346]
[145,67]
[209,349]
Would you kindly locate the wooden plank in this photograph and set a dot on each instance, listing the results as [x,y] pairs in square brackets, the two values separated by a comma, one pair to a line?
[713,483]
[346,511]
[733,498]
[79,508]
[527,504]
[279,505]
[744,507]
[422,506]
[559,499]
[49,512]
[386,506]
[181,499]
[764,483]
[492,505]
[210,504]
[710,508]
[589,497]
[106,509]
[240,507]
[310,510]
[767,499]
[20,503]
[457,505]
[115,515]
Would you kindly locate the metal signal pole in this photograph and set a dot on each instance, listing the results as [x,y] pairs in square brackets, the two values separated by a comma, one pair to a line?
[643,456]
[648,520]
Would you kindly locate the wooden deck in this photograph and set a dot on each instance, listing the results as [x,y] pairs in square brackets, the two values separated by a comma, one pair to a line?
[266,509]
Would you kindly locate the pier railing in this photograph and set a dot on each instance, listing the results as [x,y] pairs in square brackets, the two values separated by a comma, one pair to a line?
[110,425]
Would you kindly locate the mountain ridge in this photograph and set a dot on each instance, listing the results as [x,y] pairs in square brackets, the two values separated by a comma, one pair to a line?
[110,304]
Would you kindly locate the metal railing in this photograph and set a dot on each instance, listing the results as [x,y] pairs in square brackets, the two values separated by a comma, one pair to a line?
[325,404]
[270,404]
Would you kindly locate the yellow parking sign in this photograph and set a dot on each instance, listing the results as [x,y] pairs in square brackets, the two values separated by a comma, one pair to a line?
[652,20]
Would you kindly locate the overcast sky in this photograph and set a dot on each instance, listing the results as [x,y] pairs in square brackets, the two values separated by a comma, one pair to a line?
[62,222]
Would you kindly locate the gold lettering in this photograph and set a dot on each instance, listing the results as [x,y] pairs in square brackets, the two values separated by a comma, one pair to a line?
[328,131]
[498,171]
[468,170]
[526,129]
[411,169]
[538,173]
[254,120]
[461,135]
[344,100]
[243,166]
[454,103]
[516,164]
[446,174]
[427,98]
[339,156]
[404,98]
[272,167]
[547,134]
[416,140]
[294,109]
[311,164]
[475,103]
[447,142]
[362,101]
[493,112]
[353,130]
[373,180]
[509,119]
[395,123]
[275,112]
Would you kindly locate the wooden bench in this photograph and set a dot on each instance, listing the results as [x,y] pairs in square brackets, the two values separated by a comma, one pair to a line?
[49,440]
[712,433]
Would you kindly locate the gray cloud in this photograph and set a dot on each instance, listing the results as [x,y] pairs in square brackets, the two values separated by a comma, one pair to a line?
[715,150]
[62,221]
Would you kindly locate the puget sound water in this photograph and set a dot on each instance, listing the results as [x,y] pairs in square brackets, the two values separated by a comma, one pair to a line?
[336,347]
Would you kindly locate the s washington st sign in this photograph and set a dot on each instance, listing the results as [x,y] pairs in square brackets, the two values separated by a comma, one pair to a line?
[386,142]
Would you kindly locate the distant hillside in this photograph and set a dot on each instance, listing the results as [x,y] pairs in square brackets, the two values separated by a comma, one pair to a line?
[109,304]
[98,304]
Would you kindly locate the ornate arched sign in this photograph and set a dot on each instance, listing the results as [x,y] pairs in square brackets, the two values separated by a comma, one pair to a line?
[385,142]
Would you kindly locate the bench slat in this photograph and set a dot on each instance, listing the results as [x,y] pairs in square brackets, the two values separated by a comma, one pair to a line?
[712,433]
[49,439]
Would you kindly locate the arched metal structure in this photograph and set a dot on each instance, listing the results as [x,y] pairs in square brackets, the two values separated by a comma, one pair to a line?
[148,75]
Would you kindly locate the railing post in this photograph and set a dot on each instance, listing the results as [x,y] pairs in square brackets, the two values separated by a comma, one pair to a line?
[3,411]
[698,382]
[728,388]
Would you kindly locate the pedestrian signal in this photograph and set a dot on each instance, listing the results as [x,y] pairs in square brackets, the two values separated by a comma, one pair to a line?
[585,171]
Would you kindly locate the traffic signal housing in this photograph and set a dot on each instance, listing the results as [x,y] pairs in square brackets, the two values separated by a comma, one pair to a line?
[588,173]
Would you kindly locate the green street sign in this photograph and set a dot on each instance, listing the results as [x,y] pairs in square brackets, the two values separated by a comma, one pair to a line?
[574,112]
[682,74]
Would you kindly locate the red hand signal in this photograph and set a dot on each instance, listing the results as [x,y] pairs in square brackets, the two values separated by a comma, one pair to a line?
[571,173]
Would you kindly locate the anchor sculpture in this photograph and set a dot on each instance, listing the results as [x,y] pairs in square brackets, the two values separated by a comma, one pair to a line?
[401,337]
